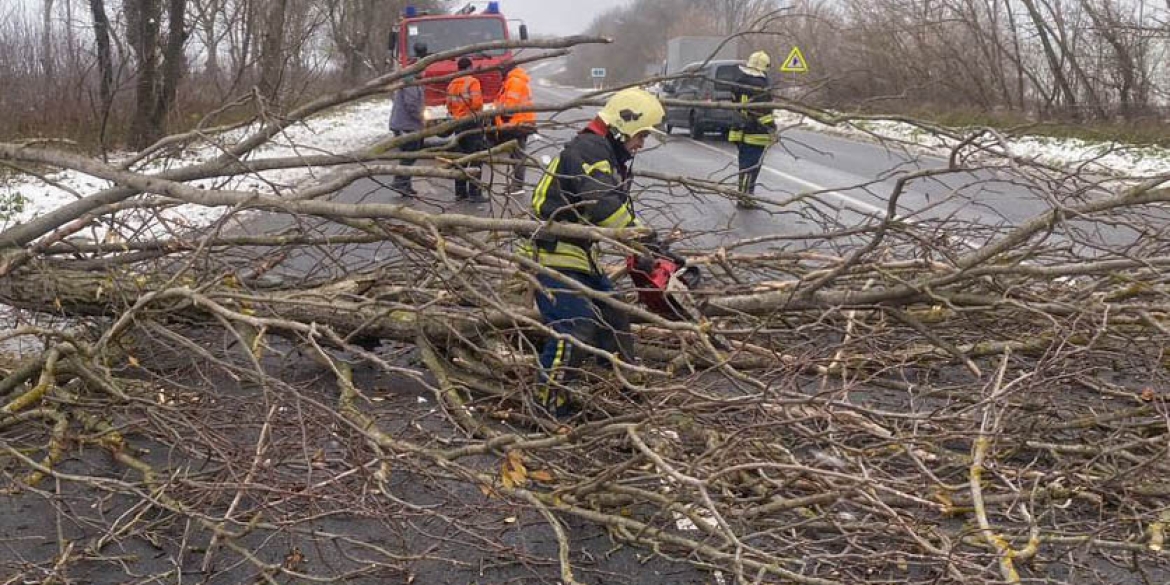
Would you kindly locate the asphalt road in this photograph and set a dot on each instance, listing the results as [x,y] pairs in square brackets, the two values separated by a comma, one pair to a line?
[850,182]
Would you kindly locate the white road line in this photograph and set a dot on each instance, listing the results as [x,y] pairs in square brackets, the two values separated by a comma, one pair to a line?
[851,201]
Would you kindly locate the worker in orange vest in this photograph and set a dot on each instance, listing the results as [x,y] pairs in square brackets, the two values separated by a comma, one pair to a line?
[465,103]
[516,93]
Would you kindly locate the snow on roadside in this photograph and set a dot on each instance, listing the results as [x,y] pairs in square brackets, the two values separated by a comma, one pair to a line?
[1110,158]
[335,131]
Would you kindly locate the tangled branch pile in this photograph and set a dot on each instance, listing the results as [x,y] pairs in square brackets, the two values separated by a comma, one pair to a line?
[913,397]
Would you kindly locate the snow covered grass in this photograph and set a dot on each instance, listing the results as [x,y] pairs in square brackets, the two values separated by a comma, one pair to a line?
[23,197]
[1112,158]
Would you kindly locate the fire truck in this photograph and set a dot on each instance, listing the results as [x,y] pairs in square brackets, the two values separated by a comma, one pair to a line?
[475,23]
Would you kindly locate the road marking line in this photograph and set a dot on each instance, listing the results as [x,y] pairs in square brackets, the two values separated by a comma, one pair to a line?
[854,202]
[826,191]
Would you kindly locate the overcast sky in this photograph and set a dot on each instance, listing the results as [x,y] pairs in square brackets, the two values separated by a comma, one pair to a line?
[556,17]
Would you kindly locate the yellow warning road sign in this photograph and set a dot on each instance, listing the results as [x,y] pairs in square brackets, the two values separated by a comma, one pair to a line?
[795,62]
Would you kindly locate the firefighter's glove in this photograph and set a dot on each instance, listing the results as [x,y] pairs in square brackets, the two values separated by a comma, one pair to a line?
[662,250]
[676,258]
[650,242]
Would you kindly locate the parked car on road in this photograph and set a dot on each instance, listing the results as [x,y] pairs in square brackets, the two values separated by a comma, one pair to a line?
[705,83]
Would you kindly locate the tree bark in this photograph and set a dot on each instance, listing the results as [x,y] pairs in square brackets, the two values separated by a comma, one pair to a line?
[1020,73]
[206,17]
[272,51]
[47,40]
[1054,63]
[1069,53]
[70,38]
[81,293]
[1108,26]
[173,60]
[101,34]
[142,25]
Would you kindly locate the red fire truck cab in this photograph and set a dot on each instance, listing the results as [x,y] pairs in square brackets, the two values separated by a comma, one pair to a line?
[478,22]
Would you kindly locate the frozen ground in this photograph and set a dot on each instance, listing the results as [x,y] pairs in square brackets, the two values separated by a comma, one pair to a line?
[337,131]
[1111,158]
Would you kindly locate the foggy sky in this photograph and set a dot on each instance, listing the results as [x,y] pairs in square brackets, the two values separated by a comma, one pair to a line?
[556,17]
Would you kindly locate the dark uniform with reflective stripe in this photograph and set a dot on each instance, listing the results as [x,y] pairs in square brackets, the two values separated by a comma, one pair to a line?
[588,184]
[753,129]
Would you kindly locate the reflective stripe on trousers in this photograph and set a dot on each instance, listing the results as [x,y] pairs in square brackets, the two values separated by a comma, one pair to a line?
[739,137]
[567,312]
[751,159]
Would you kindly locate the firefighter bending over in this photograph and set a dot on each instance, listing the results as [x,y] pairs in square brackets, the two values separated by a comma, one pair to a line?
[589,183]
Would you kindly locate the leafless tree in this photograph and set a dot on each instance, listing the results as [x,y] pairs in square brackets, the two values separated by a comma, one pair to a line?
[737,14]
[210,19]
[173,62]
[358,30]
[160,63]
[143,20]
[105,63]
[1128,62]
[47,40]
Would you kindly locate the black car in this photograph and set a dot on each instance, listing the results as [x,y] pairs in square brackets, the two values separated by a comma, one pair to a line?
[702,85]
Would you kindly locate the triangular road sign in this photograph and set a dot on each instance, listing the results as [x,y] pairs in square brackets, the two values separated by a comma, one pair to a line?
[795,62]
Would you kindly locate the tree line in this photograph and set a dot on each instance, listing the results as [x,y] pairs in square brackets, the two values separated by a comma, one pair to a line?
[1067,59]
[127,71]
[121,70]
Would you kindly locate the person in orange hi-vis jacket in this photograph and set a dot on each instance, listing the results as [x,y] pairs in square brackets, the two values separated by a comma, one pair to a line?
[516,93]
[465,104]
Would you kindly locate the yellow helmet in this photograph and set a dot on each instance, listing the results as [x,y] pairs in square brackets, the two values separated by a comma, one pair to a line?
[760,61]
[632,111]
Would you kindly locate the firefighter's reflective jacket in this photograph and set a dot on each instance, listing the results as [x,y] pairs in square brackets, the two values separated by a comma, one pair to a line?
[589,184]
[752,126]
[515,93]
[464,97]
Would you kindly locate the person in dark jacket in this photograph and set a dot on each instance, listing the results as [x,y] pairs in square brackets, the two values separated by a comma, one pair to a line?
[407,118]
[587,184]
[754,128]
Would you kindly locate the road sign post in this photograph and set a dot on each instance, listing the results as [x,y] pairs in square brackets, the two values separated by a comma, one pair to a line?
[598,75]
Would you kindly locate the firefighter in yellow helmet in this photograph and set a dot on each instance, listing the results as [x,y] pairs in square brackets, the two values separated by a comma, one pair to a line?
[754,127]
[588,183]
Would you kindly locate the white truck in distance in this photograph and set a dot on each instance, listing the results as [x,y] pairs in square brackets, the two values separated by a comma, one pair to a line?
[682,51]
